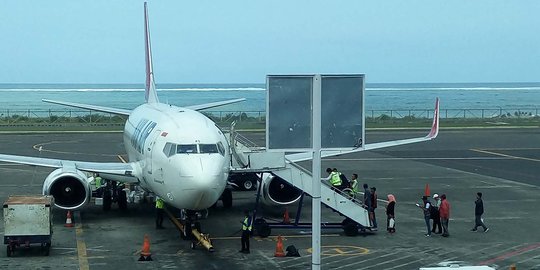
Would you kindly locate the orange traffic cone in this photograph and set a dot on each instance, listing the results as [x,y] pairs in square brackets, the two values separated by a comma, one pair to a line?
[69,223]
[145,252]
[426,191]
[279,248]
[286,219]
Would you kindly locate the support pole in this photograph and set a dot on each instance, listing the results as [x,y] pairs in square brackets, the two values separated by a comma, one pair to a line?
[316,172]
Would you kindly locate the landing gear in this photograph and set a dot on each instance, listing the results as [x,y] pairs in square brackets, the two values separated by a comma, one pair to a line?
[226,197]
[113,193]
[10,250]
[122,200]
[107,199]
[350,228]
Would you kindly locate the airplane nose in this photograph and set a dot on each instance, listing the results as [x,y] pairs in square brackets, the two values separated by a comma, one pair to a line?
[201,183]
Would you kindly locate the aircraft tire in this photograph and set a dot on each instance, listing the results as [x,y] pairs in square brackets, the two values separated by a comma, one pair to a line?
[350,228]
[122,200]
[107,200]
[227,198]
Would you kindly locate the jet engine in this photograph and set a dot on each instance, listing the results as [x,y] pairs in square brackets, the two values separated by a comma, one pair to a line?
[69,187]
[276,191]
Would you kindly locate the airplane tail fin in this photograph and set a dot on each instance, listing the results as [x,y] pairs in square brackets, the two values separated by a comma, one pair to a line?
[150,86]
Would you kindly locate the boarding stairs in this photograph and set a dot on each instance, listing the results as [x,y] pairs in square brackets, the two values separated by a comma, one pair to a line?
[247,157]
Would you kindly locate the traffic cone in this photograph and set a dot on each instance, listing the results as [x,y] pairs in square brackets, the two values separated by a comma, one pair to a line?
[426,191]
[279,248]
[286,219]
[145,251]
[69,223]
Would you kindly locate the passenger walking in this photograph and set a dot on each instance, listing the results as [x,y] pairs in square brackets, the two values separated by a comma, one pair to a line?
[367,202]
[478,212]
[445,215]
[160,206]
[374,206]
[434,213]
[390,215]
[247,225]
[425,208]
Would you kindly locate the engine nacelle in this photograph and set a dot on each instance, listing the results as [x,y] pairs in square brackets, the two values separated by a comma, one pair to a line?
[69,187]
[276,191]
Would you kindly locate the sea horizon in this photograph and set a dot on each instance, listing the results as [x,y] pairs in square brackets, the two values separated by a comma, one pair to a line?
[378,96]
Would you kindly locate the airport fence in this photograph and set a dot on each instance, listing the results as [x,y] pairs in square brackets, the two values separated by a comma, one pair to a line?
[14,117]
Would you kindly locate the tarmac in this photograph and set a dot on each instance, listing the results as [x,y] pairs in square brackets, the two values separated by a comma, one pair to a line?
[504,164]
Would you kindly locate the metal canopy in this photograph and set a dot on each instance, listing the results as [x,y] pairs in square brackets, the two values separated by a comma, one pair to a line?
[290,107]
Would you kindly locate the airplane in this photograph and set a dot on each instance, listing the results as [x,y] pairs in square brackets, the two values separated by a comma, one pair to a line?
[176,153]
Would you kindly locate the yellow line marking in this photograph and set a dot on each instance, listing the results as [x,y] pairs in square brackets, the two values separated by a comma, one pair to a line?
[338,250]
[504,155]
[272,238]
[81,245]
[121,158]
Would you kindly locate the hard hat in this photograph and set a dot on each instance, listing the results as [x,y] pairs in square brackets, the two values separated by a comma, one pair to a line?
[435,196]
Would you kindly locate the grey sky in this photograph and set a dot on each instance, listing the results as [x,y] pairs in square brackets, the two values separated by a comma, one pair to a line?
[242,41]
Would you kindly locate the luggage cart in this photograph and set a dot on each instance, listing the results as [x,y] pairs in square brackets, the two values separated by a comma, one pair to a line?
[28,220]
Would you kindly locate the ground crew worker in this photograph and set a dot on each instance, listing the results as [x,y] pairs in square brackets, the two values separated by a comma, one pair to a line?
[160,206]
[333,178]
[98,182]
[247,225]
[354,185]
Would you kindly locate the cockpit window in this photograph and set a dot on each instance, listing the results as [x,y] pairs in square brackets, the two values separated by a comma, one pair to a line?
[186,149]
[208,148]
[169,149]
[221,149]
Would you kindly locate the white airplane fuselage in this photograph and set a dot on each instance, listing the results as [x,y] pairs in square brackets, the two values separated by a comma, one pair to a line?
[183,155]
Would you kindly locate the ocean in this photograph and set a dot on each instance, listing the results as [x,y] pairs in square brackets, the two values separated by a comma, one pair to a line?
[406,96]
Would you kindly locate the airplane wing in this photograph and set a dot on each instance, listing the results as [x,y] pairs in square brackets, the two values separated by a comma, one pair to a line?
[214,104]
[111,168]
[90,107]
[430,136]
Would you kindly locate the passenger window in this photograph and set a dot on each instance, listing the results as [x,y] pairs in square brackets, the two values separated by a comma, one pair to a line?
[208,148]
[186,149]
[221,149]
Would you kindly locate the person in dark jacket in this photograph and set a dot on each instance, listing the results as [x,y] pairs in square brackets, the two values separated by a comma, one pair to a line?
[373,206]
[434,213]
[368,200]
[478,212]
[390,214]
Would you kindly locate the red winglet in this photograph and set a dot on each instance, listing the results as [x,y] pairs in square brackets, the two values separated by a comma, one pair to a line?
[435,126]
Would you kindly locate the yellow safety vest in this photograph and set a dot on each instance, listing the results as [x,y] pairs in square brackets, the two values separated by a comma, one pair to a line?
[160,204]
[334,179]
[245,224]
[355,186]
[98,181]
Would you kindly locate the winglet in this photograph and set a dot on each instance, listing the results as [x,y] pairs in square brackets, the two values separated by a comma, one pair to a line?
[435,126]
[150,86]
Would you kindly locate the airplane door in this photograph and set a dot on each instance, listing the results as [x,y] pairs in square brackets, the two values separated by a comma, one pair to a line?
[150,148]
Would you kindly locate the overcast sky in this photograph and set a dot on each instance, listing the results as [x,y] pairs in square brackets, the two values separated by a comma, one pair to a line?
[243,41]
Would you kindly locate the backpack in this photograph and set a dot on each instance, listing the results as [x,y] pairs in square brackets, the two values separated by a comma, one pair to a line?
[292,251]
[345,183]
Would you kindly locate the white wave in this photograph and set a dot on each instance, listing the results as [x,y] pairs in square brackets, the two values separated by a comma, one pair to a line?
[451,88]
[133,90]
